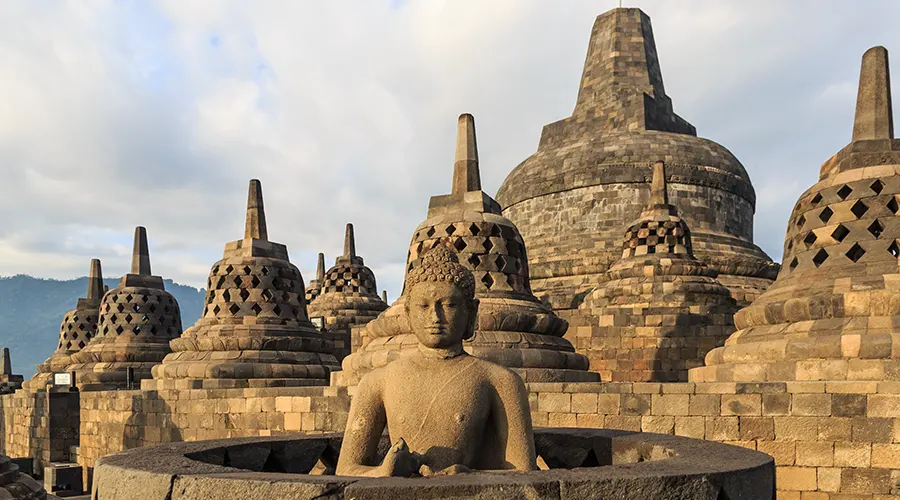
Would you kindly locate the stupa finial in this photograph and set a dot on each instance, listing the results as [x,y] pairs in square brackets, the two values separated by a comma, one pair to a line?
[874,118]
[256,216]
[349,242]
[320,268]
[95,281]
[466,176]
[658,193]
[5,363]
[140,256]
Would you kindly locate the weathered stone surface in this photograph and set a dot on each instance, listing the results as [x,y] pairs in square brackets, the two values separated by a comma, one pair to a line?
[833,311]
[347,297]
[77,329]
[17,486]
[514,328]
[136,321]
[591,172]
[658,310]
[254,330]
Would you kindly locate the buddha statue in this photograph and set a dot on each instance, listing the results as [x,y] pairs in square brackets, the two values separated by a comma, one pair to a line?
[447,412]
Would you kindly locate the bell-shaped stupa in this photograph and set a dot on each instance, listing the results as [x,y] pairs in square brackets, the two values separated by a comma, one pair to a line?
[254,331]
[591,172]
[315,285]
[137,320]
[660,310]
[78,327]
[9,382]
[833,312]
[513,327]
[348,296]
[14,485]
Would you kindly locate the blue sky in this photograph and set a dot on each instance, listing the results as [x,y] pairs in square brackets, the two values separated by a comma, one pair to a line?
[125,113]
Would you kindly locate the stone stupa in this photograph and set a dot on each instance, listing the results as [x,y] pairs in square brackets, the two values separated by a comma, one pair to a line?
[592,171]
[137,319]
[9,382]
[660,310]
[78,327]
[254,330]
[833,312]
[513,327]
[315,285]
[348,296]
[14,485]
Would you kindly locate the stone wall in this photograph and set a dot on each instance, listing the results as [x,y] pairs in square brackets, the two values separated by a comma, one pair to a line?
[40,425]
[830,440]
[112,421]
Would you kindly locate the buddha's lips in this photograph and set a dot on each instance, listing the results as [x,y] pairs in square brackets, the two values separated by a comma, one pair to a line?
[436,330]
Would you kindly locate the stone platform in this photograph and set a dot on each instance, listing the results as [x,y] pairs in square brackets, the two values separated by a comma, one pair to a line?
[581,463]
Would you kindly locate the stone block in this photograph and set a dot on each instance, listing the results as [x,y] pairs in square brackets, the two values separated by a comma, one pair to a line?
[796,478]
[757,428]
[670,404]
[811,405]
[555,402]
[692,427]
[742,404]
[658,424]
[815,454]
[796,428]
[852,454]
[722,429]
[829,479]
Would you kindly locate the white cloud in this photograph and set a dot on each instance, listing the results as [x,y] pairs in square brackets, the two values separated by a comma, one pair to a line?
[121,114]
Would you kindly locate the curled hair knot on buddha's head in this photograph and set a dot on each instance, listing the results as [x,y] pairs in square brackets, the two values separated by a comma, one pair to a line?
[441,264]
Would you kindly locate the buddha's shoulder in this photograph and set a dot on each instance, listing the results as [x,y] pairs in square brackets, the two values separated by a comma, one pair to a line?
[496,372]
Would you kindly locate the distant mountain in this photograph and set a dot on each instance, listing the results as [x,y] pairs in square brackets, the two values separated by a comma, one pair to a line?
[31,310]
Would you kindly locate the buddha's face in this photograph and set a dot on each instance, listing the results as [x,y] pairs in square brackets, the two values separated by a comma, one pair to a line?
[440,314]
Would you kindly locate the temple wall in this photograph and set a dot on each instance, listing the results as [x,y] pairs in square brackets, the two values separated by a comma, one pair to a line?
[39,425]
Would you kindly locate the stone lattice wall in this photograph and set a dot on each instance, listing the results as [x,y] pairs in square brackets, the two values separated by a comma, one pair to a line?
[120,420]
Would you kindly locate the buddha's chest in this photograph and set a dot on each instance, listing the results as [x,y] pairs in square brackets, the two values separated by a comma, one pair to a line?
[437,411]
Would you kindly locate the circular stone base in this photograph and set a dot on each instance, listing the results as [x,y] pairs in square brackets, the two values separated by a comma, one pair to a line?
[580,463]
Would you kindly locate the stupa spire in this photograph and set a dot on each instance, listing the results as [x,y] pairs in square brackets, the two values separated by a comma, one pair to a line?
[5,363]
[320,268]
[466,176]
[874,118]
[658,193]
[256,216]
[140,256]
[349,242]
[95,281]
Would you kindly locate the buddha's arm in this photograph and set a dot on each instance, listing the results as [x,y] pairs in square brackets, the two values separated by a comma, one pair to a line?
[512,419]
[365,425]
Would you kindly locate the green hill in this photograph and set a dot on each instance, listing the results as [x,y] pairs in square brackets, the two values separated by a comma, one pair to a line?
[32,308]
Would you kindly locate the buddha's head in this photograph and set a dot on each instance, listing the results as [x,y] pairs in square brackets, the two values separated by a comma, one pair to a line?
[441,304]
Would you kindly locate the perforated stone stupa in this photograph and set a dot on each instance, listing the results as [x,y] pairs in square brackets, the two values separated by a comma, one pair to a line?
[137,320]
[513,328]
[348,296]
[78,327]
[9,382]
[833,312]
[254,331]
[15,485]
[315,286]
[592,171]
[660,310]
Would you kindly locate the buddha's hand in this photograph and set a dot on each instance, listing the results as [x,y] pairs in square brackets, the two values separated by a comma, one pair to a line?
[399,461]
[426,471]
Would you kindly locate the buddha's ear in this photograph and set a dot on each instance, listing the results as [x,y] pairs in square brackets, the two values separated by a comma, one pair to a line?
[473,320]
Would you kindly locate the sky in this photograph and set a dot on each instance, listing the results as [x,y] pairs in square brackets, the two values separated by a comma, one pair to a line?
[123,113]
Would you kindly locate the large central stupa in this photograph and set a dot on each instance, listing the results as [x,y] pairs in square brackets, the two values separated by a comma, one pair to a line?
[592,171]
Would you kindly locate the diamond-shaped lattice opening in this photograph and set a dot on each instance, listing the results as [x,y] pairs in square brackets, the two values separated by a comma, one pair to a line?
[459,244]
[840,233]
[152,308]
[255,282]
[128,298]
[487,280]
[226,296]
[153,330]
[875,228]
[265,271]
[859,209]
[451,229]
[790,244]
[825,214]
[488,245]
[844,192]
[137,329]
[81,344]
[128,318]
[234,308]
[276,310]
[430,232]
[816,199]
[247,270]
[245,294]
[894,249]
[229,268]
[474,260]
[820,257]
[143,298]
[145,318]
[267,295]
[256,308]
[501,263]
[112,319]
[893,206]
[809,240]
[855,253]
[276,283]
[237,281]
[800,221]
[137,308]
[877,186]
[651,249]
[119,330]
[473,228]
[216,309]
